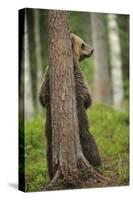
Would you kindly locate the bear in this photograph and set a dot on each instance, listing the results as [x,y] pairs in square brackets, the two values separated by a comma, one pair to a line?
[81,50]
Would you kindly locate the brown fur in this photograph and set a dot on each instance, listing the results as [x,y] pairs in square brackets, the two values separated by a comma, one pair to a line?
[81,50]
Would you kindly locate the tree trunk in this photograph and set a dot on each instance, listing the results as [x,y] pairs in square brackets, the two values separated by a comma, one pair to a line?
[32,53]
[37,53]
[115,61]
[21,63]
[28,101]
[102,92]
[68,160]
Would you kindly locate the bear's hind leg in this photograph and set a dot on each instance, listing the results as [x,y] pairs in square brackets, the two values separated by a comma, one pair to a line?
[90,149]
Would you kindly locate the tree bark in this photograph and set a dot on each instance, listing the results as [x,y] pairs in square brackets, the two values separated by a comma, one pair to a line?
[68,161]
[115,61]
[65,128]
[102,90]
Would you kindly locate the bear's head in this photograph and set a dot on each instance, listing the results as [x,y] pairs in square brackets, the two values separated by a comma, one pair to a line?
[81,49]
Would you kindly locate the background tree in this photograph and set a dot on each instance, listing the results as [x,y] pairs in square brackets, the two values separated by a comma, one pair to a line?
[102,91]
[36,14]
[32,54]
[21,64]
[115,61]
[69,162]
[28,99]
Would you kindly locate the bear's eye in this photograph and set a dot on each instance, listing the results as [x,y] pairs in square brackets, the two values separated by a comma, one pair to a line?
[83,46]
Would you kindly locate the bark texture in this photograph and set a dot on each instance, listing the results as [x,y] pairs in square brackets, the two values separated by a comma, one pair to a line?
[64,119]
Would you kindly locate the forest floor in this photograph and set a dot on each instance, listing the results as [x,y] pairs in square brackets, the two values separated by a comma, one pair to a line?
[111,131]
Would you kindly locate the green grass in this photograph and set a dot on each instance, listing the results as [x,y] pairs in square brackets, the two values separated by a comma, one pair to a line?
[35,155]
[111,131]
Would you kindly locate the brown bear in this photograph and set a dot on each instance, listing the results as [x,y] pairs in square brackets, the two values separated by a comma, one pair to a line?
[81,50]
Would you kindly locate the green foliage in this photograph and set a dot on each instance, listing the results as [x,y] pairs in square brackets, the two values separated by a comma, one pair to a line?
[110,129]
[75,20]
[35,155]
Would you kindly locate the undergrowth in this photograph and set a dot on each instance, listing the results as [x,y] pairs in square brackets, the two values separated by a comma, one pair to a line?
[111,131]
